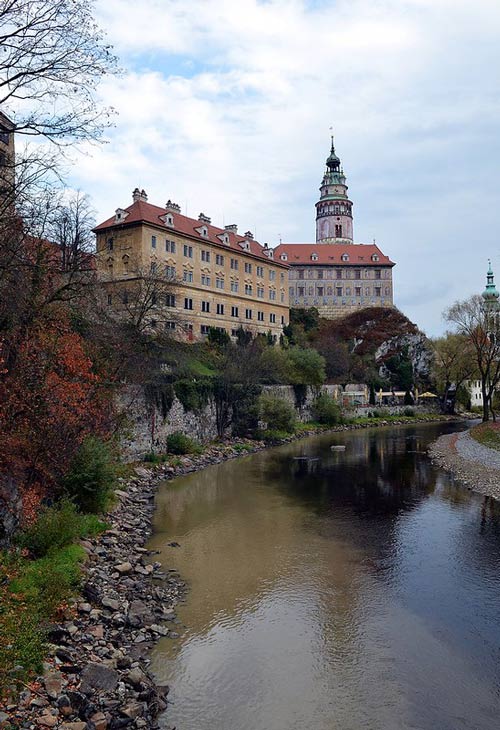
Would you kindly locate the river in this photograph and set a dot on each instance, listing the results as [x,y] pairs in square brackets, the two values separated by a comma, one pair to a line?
[332,590]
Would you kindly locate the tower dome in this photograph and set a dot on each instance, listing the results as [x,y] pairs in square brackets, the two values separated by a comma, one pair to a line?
[334,209]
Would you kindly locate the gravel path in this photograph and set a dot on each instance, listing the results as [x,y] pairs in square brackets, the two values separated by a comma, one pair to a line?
[474,465]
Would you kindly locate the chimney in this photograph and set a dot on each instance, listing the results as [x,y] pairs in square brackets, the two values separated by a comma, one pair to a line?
[204,218]
[144,196]
[136,195]
[249,235]
[172,207]
[233,228]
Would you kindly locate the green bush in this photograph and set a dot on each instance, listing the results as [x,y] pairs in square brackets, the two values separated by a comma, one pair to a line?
[277,413]
[52,579]
[326,410]
[408,412]
[179,443]
[92,476]
[57,527]
[193,394]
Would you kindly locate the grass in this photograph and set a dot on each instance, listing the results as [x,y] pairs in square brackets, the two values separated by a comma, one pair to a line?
[36,581]
[487,434]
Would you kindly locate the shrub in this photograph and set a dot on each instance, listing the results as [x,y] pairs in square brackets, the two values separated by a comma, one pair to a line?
[193,394]
[179,443]
[92,476]
[57,527]
[408,412]
[326,410]
[277,413]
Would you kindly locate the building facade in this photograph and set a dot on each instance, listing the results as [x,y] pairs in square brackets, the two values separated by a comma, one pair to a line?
[217,278]
[336,275]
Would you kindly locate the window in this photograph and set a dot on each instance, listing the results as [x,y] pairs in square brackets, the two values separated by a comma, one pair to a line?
[378,274]
[377,291]
[300,273]
[345,257]
[153,267]
[320,291]
[282,319]
[260,316]
[205,280]
[338,231]
[260,271]
[300,291]
[187,276]
[282,297]
[188,251]
[109,244]
[320,273]
[248,314]
[219,283]
[357,273]
[234,333]
[169,325]
[170,272]
[153,241]
[188,303]
[348,291]
[387,291]
[338,273]
[357,291]
[234,312]
[170,300]
[205,306]
[339,291]
[314,257]
[374,257]
[248,268]
[367,291]
[234,264]
[272,275]
[248,290]
[235,286]
[329,291]
[205,256]
[170,246]
[272,295]
[272,318]
[260,292]
[220,309]
[204,329]
[219,260]
[110,299]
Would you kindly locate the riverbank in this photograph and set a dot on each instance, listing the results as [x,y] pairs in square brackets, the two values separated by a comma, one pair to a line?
[473,464]
[96,671]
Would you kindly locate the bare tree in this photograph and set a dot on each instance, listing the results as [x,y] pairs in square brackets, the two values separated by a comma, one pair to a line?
[144,299]
[53,58]
[481,327]
[454,364]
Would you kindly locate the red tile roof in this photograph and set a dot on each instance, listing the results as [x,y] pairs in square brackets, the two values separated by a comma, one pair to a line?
[330,254]
[143,212]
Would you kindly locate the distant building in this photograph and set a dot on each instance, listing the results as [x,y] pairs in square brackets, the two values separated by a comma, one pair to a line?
[219,278]
[336,275]
[7,151]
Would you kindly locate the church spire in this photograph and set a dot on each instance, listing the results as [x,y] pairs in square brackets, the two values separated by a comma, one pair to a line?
[490,294]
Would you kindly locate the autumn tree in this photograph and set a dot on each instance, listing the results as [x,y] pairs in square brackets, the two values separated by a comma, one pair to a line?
[475,321]
[454,364]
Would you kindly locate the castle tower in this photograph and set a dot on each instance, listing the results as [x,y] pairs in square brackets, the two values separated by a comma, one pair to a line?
[334,209]
[490,294]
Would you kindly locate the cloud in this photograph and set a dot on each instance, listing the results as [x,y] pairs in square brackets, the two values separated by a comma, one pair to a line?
[225,107]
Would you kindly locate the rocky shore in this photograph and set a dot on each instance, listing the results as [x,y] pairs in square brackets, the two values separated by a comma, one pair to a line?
[96,672]
[475,466]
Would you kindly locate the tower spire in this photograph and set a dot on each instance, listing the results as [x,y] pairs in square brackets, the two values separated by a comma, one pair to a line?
[490,294]
[334,209]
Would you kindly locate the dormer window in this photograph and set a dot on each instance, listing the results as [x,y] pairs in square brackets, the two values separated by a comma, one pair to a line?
[169,219]
[284,257]
[224,237]
[345,257]
[120,215]
[314,257]
[375,257]
[204,231]
[245,245]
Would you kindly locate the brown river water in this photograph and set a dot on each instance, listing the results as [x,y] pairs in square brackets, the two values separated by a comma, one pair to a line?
[332,590]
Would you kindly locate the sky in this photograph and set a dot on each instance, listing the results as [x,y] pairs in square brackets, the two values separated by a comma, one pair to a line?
[225,108]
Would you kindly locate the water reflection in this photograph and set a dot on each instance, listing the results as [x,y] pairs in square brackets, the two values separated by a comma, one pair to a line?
[343,589]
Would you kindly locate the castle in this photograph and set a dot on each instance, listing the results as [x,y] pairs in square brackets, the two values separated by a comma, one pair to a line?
[336,275]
